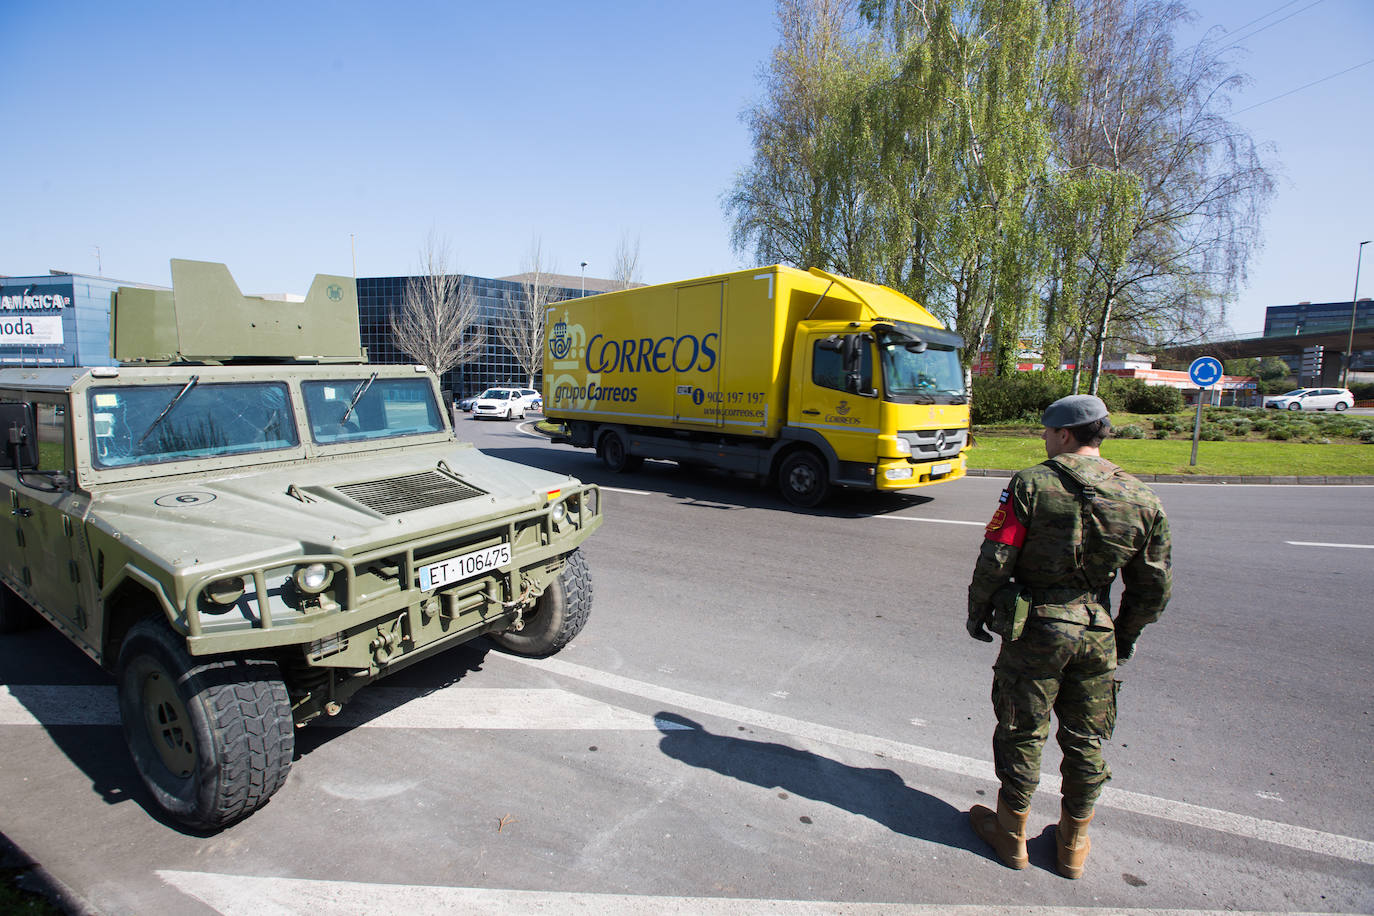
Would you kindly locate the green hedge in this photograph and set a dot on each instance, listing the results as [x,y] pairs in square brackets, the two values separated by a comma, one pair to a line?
[1025,395]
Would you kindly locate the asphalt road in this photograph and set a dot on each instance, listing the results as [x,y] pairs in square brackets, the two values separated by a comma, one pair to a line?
[772,711]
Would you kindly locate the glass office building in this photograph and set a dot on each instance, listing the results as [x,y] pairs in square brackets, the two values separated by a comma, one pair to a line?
[380,297]
[56,320]
[1321,317]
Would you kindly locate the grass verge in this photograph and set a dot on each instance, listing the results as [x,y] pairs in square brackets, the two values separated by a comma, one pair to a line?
[1170,456]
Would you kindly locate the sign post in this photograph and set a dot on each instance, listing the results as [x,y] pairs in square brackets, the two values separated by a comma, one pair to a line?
[1205,372]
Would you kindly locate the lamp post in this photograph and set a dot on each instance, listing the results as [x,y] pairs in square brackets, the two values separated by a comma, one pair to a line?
[584,278]
[1354,303]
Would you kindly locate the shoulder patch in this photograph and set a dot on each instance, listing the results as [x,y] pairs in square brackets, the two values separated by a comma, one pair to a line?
[1005,527]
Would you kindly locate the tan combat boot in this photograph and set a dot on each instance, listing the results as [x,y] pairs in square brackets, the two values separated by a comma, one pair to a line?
[1004,830]
[1073,843]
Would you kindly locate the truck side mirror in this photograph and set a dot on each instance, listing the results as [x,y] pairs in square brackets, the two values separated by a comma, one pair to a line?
[20,444]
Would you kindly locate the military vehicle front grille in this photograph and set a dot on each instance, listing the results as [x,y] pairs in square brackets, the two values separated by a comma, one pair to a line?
[396,495]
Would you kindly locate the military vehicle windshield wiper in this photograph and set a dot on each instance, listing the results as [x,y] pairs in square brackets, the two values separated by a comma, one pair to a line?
[168,409]
[357,396]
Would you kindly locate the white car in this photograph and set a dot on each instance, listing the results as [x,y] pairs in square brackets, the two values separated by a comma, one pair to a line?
[505,403]
[1313,399]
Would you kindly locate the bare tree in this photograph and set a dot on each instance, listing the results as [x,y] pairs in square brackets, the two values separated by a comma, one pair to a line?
[520,326]
[437,323]
[625,272]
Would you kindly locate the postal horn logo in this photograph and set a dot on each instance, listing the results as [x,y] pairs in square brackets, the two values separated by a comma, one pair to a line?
[842,408]
[560,342]
[335,292]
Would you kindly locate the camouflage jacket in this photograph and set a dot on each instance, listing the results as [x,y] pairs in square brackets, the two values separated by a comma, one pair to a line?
[1063,529]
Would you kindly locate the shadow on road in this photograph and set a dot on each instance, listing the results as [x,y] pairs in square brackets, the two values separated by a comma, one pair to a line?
[878,794]
[702,487]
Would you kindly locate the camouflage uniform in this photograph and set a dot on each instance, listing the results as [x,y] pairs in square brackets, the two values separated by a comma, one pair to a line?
[1064,529]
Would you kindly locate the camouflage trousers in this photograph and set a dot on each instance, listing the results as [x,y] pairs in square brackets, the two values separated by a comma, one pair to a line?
[1067,668]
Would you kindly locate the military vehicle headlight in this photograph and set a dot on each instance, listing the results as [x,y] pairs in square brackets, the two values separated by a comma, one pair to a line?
[313,579]
[225,591]
[559,513]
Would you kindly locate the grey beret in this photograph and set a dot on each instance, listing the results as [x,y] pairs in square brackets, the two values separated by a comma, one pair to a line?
[1074,410]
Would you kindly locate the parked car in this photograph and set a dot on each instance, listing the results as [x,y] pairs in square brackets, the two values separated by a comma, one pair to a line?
[467,402]
[1312,399]
[506,403]
[533,399]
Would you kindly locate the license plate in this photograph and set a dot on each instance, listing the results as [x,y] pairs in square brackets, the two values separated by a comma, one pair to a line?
[456,569]
[937,469]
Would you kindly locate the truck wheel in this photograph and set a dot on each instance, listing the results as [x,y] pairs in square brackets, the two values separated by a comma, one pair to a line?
[616,456]
[558,615]
[15,614]
[212,740]
[803,480]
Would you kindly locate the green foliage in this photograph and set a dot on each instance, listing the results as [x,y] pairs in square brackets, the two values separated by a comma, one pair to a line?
[1129,431]
[1167,423]
[1363,391]
[1280,433]
[1155,399]
[1022,396]
[1211,432]
[1367,436]
[1161,434]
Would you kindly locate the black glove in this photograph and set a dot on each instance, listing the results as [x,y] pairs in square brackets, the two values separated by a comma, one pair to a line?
[1125,647]
[977,620]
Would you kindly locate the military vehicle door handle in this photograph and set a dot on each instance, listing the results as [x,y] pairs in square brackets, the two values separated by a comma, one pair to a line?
[22,513]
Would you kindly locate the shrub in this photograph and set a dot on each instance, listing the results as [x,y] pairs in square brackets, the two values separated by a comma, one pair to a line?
[1263,426]
[1154,399]
[1161,434]
[1130,431]
[1211,432]
[1241,427]
[1167,424]
[1363,391]
[1022,396]
[1367,437]
[1280,433]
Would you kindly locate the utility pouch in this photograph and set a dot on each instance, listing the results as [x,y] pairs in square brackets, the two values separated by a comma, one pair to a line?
[1011,606]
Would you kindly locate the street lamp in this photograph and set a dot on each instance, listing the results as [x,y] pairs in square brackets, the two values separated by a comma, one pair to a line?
[584,278]
[1354,302]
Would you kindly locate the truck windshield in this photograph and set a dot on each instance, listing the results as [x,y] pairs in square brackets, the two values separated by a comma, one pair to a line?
[931,376]
[150,424]
[387,408]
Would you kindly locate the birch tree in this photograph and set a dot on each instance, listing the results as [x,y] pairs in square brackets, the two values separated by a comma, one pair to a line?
[438,321]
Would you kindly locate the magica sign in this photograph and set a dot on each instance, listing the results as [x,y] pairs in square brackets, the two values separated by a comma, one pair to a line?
[20,328]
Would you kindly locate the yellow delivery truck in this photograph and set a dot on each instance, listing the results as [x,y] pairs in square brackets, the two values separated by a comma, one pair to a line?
[810,378]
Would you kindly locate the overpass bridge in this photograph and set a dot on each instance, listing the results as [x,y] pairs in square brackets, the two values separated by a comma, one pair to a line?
[1333,344]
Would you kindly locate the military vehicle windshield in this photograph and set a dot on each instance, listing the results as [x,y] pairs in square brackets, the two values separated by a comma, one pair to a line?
[919,374]
[385,408]
[149,424]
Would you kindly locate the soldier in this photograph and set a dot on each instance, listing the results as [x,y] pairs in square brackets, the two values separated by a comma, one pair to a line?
[1043,582]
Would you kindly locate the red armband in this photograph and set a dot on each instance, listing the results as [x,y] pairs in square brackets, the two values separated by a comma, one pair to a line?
[1005,527]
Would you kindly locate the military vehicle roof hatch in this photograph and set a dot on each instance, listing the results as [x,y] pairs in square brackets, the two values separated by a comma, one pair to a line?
[204,318]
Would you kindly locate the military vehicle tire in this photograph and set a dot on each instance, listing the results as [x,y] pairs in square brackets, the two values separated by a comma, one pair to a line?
[15,613]
[617,456]
[803,479]
[212,740]
[558,615]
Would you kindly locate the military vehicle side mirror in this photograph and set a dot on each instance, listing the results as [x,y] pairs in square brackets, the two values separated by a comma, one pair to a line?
[21,446]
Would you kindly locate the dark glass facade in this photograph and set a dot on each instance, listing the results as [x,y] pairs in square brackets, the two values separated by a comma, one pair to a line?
[379,297]
[1319,317]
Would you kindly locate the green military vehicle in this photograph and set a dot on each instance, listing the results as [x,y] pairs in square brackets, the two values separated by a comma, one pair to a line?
[245,522]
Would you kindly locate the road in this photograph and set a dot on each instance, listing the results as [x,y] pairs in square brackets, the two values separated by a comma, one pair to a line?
[772,711]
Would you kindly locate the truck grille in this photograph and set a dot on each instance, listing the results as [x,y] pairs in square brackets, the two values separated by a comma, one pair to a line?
[935,443]
[396,495]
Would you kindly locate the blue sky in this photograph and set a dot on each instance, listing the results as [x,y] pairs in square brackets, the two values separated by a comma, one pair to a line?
[264,134]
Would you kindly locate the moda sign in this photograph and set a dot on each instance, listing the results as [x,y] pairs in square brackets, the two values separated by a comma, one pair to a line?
[30,330]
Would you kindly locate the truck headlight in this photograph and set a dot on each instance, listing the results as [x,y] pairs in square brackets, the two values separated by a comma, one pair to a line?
[902,446]
[225,591]
[312,579]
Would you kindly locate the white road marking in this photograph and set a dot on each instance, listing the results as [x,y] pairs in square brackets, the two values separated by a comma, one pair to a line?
[1320,544]
[377,707]
[248,895]
[933,521]
[631,492]
[1301,838]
